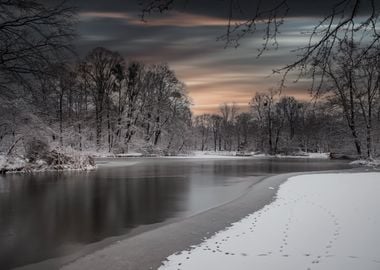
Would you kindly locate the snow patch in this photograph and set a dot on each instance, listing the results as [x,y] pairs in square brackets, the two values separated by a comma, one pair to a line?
[366,163]
[130,155]
[322,221]
[237,154]
[211,155]
[306,155]
[11,163]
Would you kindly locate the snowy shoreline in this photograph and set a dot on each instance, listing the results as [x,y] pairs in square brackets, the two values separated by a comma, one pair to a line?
[311,229]
[213,154]
[84,161]
[64,162]
[236,154]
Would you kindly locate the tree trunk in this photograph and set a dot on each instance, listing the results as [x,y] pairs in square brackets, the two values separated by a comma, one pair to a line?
[203,139]
[215,141]
[118,133]
[99,120]
[61,120]
[14,144]
[270,140]
[181,147]
[80,136]
[353,124]
[170,143]
[369,130]
[278,133]
[356,140]
[109,129]
[369,143]
[157,136]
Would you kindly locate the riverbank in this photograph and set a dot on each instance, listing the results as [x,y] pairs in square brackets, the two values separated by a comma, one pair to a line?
[51,161]
[241,154]
[59,160]
[306,227]
[149,249]
[85,161]
[374,163]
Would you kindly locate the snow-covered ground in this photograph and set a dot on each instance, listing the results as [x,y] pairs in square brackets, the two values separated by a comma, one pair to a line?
[307,155]
[209,155]
[73,161]
[321,221]
[366,163]
[235,154]
[11,163]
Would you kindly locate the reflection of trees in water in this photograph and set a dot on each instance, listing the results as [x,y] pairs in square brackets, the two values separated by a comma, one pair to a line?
[249,167]
[42,212]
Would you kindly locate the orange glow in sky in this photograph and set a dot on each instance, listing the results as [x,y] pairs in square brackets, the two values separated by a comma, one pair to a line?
[212,73]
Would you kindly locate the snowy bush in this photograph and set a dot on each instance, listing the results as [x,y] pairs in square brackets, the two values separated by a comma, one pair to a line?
[36,149]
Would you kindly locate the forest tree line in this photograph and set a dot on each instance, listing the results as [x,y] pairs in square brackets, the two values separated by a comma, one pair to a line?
[282,125]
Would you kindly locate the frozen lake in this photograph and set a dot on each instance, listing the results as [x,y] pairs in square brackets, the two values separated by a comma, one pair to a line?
[49,215]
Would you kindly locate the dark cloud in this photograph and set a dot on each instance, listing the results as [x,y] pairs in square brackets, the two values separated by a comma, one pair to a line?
[215,8]
[186,39]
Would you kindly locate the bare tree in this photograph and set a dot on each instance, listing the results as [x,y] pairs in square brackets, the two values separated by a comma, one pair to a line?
[32,37]
[135,83]
[242,130]
[61,85]
[216,126]
[119,85]
[178,131]
[368,93]
[202,123]
[340,71]
[165,94]
[270,117]
[353,83]
[290,107]
[98,71]
[228,113]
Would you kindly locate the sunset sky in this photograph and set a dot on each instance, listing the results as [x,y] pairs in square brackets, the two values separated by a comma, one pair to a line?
[186,38]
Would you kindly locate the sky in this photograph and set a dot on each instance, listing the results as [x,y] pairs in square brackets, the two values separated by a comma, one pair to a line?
[186,39]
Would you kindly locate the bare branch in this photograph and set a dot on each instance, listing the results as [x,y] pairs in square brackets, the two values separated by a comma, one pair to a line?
[32,37]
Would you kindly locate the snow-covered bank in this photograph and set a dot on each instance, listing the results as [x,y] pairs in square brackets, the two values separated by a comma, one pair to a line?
[53,161]
[236,154]
[11,164]
[211,155]
[322,221]
[306,155]
[366,163]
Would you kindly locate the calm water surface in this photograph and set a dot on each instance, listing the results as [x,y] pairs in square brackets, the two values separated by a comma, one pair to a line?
[48,215]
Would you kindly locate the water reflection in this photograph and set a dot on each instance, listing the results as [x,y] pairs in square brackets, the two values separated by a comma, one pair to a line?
[48,215]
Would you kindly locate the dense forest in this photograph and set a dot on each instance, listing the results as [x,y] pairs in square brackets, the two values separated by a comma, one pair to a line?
[54,104]
[103,104]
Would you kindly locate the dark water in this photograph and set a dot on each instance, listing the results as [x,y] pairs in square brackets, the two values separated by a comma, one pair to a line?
[49,215]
